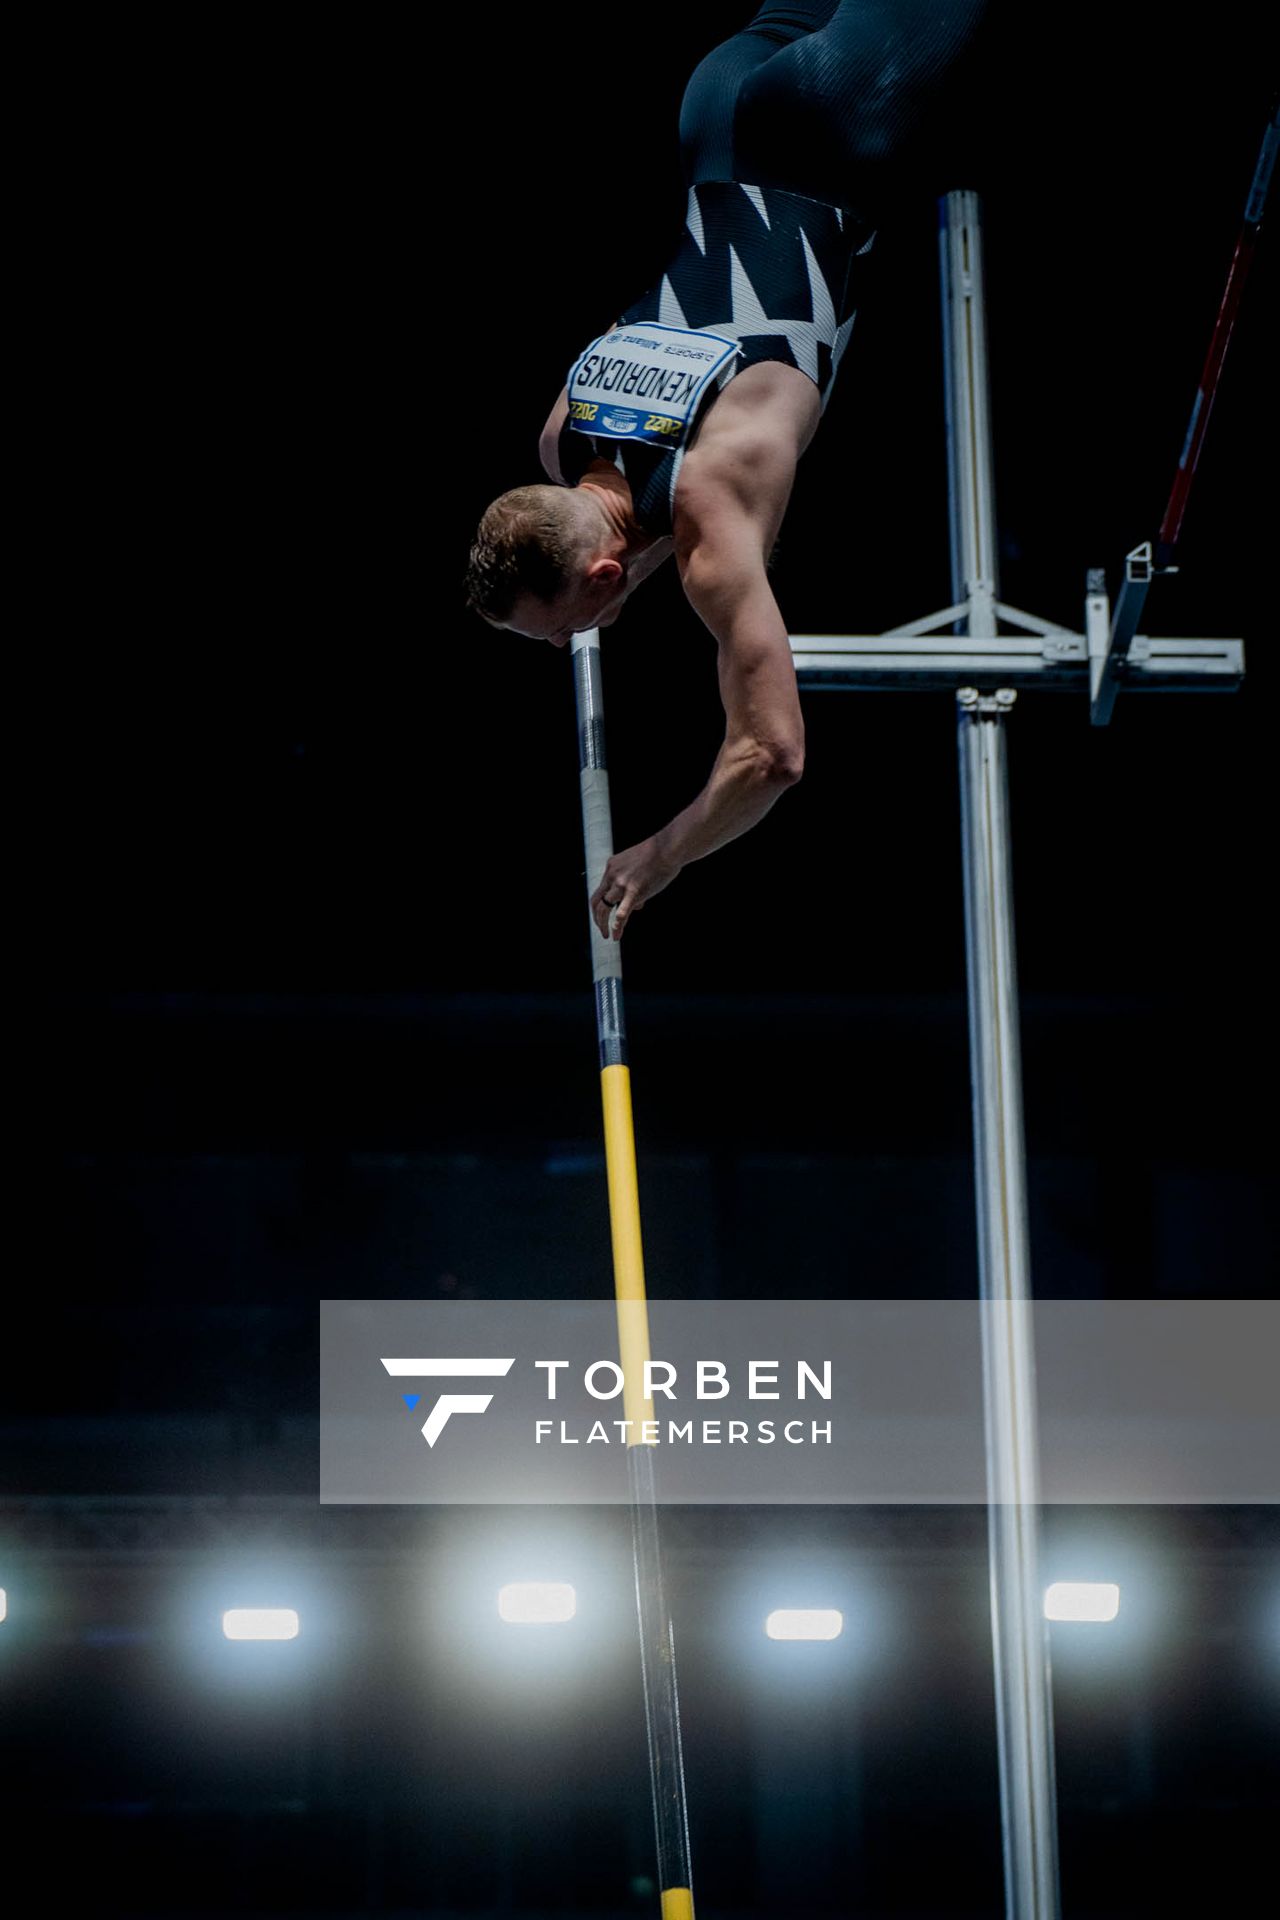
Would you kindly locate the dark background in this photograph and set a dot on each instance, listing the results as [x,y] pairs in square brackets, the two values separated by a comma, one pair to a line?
[314,1014]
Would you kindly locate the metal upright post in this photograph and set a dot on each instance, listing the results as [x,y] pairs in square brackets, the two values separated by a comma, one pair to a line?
[1024,1709]
[970,463]
[985,651]
[1019,1635]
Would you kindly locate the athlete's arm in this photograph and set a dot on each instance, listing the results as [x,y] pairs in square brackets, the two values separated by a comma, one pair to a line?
[762,752]
[549,444]
[727,522]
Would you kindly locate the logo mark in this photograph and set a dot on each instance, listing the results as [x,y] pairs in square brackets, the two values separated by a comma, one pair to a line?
[449,1403]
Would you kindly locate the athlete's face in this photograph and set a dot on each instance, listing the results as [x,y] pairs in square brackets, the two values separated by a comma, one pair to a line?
[594,600]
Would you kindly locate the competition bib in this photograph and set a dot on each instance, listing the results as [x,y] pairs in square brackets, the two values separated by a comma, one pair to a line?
[644,382]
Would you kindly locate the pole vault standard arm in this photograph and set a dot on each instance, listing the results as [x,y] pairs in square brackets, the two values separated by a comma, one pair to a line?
[1207,391]
[657,1643]
[1142,564]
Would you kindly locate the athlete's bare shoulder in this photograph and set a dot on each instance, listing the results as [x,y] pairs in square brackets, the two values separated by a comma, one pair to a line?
[767,400]
[742,459]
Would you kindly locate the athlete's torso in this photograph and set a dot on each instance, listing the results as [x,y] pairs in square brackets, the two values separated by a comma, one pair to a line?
[771,270]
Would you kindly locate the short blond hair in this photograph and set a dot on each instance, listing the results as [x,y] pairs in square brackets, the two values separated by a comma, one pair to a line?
[526,542]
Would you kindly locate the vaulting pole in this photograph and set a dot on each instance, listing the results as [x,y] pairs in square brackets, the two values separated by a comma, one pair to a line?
[657,1645]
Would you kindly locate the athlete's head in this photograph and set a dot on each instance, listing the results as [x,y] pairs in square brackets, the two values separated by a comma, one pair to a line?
[543,564]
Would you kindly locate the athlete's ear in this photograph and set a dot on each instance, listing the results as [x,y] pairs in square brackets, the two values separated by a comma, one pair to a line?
[605,572]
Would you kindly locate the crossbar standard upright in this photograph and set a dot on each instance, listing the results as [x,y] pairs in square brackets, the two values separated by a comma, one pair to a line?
[985,651]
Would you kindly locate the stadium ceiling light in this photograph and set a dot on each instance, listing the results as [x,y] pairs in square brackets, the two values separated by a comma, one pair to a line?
[260,1623]
[537,1603]
[805,1623]
[1081,1600]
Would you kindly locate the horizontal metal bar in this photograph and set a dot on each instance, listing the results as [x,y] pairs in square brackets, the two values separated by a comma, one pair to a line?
[1053,662]
[1205,666]
[888,676]
[1004,646]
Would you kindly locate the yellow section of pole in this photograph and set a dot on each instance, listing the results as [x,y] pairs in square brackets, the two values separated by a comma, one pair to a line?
[628,1256]
[677,1904]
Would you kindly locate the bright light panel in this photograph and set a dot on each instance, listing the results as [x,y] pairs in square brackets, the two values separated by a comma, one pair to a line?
[4,1604]
[537,1603]
[805,1623]
[260,1623]
[1081,1600]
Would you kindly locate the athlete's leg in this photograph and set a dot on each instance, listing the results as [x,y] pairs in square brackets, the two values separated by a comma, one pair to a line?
[711,97]
[849,113]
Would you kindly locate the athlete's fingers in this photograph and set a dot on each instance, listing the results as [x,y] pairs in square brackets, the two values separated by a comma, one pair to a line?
[599,909]
[628,905]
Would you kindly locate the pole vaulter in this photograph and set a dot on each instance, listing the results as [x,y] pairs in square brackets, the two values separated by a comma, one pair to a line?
[678,432]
